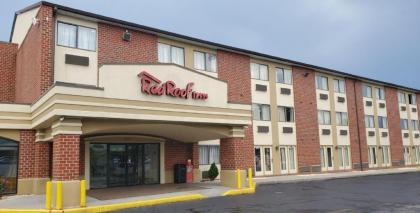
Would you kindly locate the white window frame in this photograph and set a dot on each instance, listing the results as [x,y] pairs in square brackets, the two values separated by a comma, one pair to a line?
[339,86]
[380,93]
[171,48]
[261,113]
[402,98]
[258,66]
[208,147]
[284,109]
[282,72]
[404,124]
[321,82]
[322,120]
[367,91]
[207,63]
[76,44]
[381,120]
[369,121]
[340,119]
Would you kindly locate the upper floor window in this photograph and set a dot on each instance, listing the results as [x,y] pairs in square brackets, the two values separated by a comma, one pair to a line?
[259,71]
[324,117]
[261,112]
[170,54]
[369,121]
[380,93]
[286,114]
[367,91]
[401,98]
[70,35]
[205,61]
[415,124]
[404,124]
[284,76]
[339,86]
[321,82]
[383,122]
[412,99]
[342,119]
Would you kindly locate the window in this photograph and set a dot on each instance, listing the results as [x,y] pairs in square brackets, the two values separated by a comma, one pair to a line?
[404,124]
[284,76]
[383,122]
[343,156]
[170,54]
[261,112]
[385,155]
[342,119]
[287,159]
[401,98]
[286,114]
[412,99]
[321,82]
[369,121]
[339,86]
[380,93]
[367,91]
[75,36]
[415,124]
[209,154]
[324,117]
[259,71]
[205,61]
[372,155]
[9,153]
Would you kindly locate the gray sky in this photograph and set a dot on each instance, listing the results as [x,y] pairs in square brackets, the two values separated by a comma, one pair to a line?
[378,39]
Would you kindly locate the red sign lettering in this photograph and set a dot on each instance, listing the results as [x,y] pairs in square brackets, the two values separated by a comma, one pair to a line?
[152,86]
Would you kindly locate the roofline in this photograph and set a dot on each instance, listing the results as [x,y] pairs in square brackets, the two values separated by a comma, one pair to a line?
[222,46]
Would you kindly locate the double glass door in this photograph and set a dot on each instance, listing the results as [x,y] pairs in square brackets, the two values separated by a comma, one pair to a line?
[123,164]
[326,155]
[263,160]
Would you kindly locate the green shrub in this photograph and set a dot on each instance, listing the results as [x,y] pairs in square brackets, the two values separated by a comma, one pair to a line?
[213,171]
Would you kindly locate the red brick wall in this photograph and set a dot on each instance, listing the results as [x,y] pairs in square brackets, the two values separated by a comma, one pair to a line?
[306,120]
[112,49]
[237,153]
[26,154]
[195,155]
[34,71]
[82,159]
[357,130]
[8,53]
[177,153]
[235,70]
[395,136]
[42,159]
[66,151]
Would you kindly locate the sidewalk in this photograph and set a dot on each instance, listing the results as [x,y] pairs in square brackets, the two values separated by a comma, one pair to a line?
[326,176]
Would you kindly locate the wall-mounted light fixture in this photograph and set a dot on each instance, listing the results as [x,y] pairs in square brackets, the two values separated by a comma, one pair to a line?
[126,36]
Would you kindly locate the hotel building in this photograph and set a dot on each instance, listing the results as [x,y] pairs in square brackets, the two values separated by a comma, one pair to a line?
[85,96]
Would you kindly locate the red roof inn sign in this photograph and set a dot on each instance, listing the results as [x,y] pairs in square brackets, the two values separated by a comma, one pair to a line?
[152,86]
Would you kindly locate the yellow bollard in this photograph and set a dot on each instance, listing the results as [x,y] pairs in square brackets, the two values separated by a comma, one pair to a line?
[48,195]
[59,196]
[238,178]
[83,193]
[250,182]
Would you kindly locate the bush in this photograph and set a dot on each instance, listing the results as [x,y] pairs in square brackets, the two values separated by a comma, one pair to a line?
[213,171]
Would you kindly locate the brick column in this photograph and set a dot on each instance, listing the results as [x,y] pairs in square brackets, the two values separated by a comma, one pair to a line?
[357,129]
[196,162]
[66,157]
[236,153]
[33,168]
[395,136]
[306,118]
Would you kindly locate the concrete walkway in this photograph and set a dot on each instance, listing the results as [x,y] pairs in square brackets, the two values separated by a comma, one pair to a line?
[335,175]
[208,189]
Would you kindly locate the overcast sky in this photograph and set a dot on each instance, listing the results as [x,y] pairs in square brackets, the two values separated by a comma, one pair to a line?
[379,39]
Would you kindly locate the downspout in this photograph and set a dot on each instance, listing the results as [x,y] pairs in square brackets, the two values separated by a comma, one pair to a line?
[358,129]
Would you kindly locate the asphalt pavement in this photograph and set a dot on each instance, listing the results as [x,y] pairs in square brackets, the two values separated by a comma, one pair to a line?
[381,193]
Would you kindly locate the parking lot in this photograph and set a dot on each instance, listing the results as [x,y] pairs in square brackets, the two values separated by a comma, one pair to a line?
[381,193]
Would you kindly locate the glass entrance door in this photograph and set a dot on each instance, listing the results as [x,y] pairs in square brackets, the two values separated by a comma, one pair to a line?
[124,164]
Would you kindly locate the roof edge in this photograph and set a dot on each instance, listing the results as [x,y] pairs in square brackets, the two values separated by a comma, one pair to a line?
[222,46]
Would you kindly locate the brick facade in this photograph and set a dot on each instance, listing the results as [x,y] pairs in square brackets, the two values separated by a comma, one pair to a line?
[8,53]
[395,137]
[34,69]
[42,159]
[26,167]
[112,49]
[236,71]
[66,157]
[357,129]
[307,133]
[237,153]
[177,153]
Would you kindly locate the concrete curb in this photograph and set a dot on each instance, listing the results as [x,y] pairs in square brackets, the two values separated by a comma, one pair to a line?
[115,207]
[321,178]
[233,192]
